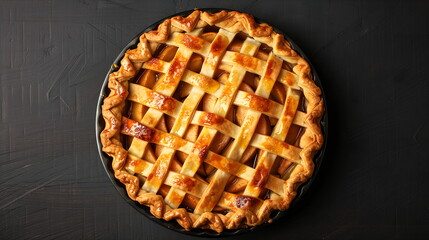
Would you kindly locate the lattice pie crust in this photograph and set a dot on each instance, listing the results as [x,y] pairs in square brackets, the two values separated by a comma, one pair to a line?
[220,118]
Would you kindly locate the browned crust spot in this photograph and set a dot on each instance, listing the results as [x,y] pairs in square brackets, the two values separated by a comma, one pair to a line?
[161,102]
[203,152]
[260,177]
[176,67]
[222,163]
[159,170]
[219,44]
[154,64]
[210,119]
[184,182]
[289,78]
[192,42]
[246,60]
[258,103]
[135,129]
[271,65]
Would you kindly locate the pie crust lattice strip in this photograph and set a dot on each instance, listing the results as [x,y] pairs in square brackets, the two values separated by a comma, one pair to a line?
[200,117]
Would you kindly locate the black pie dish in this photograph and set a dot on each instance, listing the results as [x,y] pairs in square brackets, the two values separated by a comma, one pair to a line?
[173,225]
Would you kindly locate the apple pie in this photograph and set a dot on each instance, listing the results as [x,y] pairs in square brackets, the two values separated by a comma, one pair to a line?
[213,121]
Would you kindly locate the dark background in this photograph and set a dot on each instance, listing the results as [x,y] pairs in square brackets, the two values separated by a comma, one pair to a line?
[372,58]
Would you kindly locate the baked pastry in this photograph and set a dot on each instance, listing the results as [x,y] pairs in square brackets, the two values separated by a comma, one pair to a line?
[212,121]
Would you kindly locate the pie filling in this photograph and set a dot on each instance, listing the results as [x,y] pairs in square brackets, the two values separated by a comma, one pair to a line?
[236,114]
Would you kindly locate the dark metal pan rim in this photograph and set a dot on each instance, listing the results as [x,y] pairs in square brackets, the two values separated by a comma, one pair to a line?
[173,225]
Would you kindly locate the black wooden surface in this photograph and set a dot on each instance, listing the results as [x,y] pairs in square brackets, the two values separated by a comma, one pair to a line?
[371,56]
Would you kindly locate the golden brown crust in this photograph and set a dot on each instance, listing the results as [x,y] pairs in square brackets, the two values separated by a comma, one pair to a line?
[113,107]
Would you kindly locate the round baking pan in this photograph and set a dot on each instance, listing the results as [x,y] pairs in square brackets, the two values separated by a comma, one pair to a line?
[107,161]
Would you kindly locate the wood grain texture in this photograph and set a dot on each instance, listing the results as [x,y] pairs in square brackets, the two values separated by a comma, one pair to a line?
[371,57]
